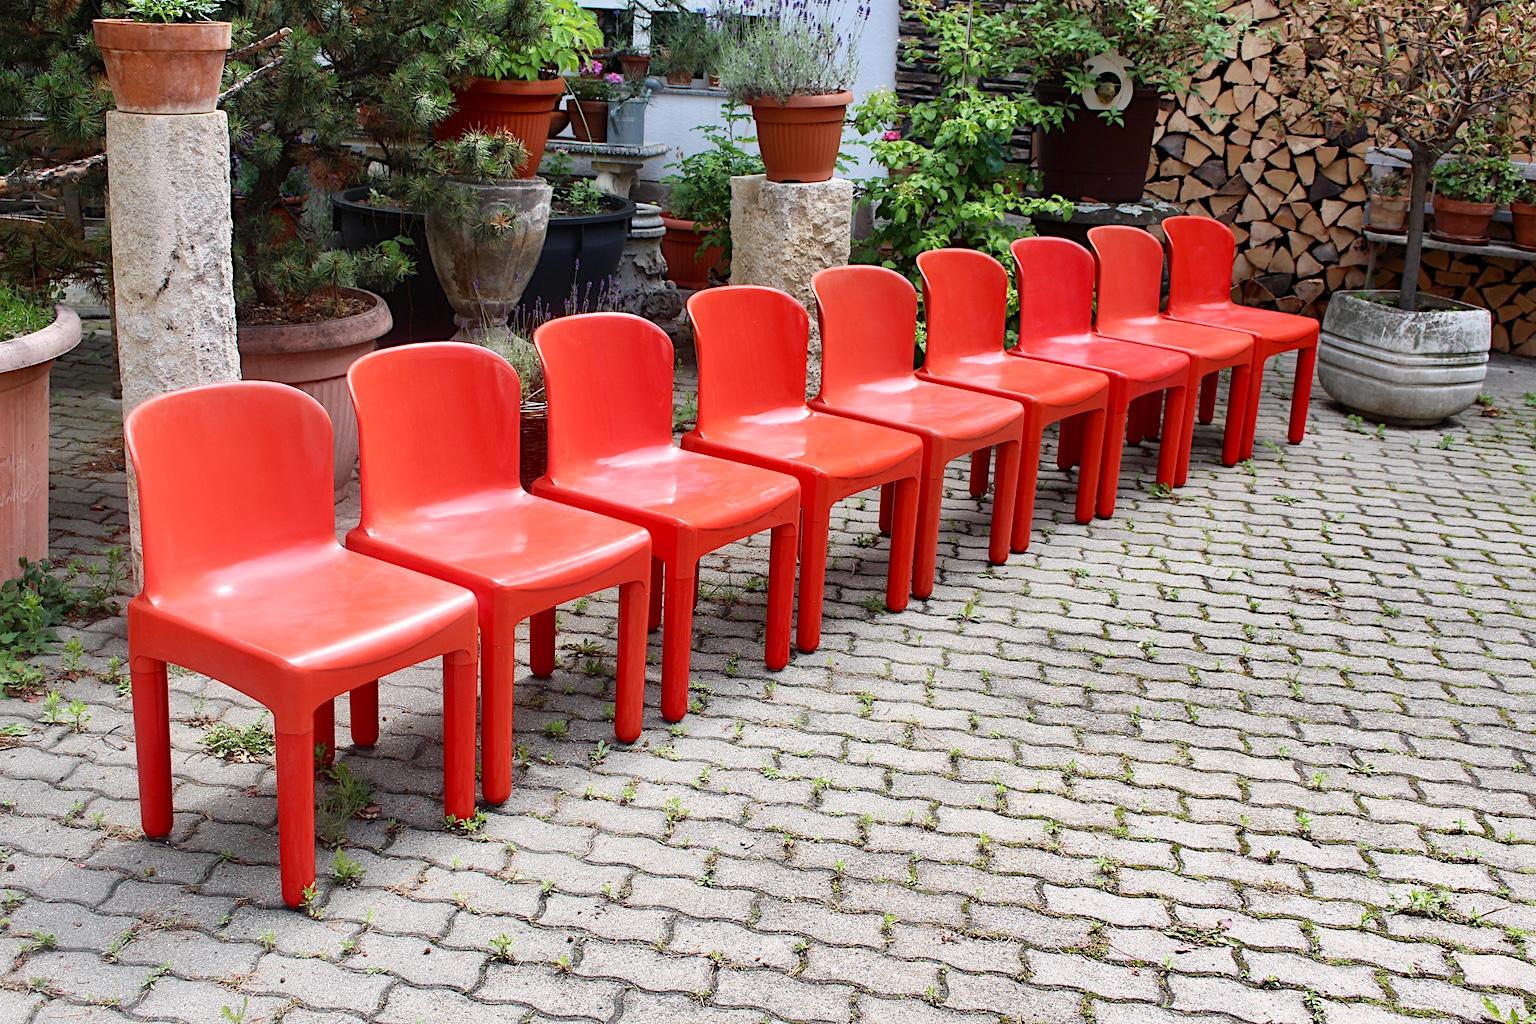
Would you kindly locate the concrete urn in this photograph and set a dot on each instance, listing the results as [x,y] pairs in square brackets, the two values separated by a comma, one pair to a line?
[485,255]
[24,365]
[1407,368]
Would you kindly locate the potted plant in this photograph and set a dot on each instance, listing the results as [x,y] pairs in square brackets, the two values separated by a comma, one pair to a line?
[517,80]
[33,333]
[1522,215]
[1420,78]
[582,245]
[1102,67]
[626,111]
[1388,209]
[591,91]
[687,45]
[485,229]
[166,57]
[1470,186]
[698,212]
[792,61]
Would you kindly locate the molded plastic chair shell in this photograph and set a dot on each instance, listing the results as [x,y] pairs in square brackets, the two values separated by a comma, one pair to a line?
[751,344]
[1055,283]
[868,321]
[609,381]
[438,432]
[1200,291]
[244,582]
[965,299]
[1130,294]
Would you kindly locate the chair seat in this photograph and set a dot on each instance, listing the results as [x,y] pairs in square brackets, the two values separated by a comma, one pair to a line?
[1141,363]
[318,608]
[507,539]
[928,408]
[1199,340]
[834,446]
[1270,325]
[1052,384]
[697,491]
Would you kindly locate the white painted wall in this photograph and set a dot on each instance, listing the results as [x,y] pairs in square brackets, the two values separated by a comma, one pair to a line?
[674,115]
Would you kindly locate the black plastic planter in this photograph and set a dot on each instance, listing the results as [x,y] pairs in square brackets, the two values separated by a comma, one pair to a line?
[580,258]
[418,305]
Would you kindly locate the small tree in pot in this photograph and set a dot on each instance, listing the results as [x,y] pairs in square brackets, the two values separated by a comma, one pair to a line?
[1417,75]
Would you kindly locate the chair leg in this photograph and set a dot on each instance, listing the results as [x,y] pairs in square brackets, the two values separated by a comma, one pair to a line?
[1003,498]
[541,643]
[1136,421]
[930,499]
[1208,388]
[1069,444]
[815,528]
[325,732]
[677,639]
[981,468]
[1187,429]
[1029,478]
[1301,392]
[781,593]
[898,581]
[1114,451]
[1238,415]
[1255,391]
[653,622]
[1093,456]
[887,493]
[1171,453]
[629,680]
[459,734]
[152,740]
[364,702]
[498,671]
[296,807]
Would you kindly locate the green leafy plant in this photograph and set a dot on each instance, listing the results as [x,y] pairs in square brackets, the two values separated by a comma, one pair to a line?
[36,602]
[1474,176]
[1391,185]
[776,49]
[580,198]
[563,39]
[232,743]
[687,42]
[21,314]
[170,11]
[701,185]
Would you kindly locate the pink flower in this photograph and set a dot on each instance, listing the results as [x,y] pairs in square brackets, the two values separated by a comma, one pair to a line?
[892,136]
[613,79]
[593,68]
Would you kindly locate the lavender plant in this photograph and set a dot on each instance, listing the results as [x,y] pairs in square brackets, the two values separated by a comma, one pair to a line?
[775,49]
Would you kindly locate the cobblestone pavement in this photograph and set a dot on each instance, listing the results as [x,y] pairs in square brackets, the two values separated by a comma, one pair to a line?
[1258,752]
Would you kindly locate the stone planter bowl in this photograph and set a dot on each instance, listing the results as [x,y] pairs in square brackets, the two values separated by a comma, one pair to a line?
[1410,369]
[24,366]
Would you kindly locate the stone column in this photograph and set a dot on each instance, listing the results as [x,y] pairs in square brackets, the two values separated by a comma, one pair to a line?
[168,203]
[782,234]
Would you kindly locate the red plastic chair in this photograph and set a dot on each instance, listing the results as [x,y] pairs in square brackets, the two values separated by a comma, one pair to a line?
[1130,291]
[244,582]
[751,344]
[1055,282]
[1200,291]
[441,496]
[965,299]
[868,319]
[609,378]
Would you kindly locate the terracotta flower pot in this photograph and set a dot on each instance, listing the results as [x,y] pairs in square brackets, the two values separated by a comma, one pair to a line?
[1388,213]
[1523,217]
[800,138]
[635,65]
[689,261]
[163,69]
[589,119]
[559,121]
[680,77]
[484,274]
[315,358]
[522,108]
[1457,220]
[24,366]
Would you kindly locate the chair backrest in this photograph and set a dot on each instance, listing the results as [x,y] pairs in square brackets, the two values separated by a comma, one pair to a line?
[608,377]
[434,421]
[1055,282]
[227,473]
[751,345]
[868,318]
[1203,251]
[1130,273]
[965,303]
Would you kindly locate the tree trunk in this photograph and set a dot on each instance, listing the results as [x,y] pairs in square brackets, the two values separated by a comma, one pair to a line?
[1408,290]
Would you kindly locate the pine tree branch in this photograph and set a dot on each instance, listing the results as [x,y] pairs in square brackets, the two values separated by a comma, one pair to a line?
[18,181]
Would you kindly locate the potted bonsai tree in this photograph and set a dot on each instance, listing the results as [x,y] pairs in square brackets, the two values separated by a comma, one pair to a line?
[1421,75]
[516,80]
[1470,186]
[1103,66]
[166,57]
[792,61]
[698,212]
[1388,209]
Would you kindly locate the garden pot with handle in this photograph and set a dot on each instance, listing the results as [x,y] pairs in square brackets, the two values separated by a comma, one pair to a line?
[163,69]
[800,138]
[1457,220]
[522,108]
